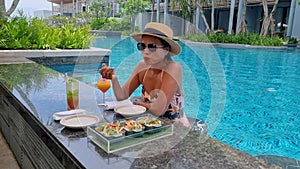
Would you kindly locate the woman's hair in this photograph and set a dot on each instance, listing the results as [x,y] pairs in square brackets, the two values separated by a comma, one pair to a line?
[164,43]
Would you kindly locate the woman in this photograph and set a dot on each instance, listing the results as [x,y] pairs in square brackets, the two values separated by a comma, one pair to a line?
[159,75]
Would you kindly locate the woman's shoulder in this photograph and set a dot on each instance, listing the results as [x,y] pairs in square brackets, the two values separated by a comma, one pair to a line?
[173,66]
[173,63]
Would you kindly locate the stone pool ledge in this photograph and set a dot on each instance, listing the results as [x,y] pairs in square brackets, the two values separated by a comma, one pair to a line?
[59,56]
[241,46]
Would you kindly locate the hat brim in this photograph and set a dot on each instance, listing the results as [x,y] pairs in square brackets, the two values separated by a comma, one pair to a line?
[175,47]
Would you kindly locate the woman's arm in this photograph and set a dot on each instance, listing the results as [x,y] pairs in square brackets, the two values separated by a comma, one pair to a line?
[127,89]
[171,83]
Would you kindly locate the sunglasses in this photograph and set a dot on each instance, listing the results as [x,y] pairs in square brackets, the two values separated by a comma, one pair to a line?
[151,46]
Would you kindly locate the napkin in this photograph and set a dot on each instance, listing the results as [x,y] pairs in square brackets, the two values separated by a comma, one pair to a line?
[109,105]
[62,114]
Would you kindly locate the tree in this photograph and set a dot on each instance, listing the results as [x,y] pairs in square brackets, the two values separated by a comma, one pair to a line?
[268,19]
[100,9]
[3,12]
[243,25]
[133,7]
[152,9]
[187,5]
[212,15]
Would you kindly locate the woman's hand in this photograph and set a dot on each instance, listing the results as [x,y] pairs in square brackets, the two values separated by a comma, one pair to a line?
[141,103]
[107,72]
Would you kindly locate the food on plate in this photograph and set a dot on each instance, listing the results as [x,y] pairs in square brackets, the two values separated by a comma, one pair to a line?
[134,128]
[131,125]
[111,129]
[149,121]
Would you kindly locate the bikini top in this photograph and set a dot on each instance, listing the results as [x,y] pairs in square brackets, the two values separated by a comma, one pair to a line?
[176,103]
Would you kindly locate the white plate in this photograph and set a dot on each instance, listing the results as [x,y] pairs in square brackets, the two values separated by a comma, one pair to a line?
[130,110]
[79,120]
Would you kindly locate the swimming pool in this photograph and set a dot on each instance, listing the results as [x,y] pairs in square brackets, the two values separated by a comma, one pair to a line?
[248,97]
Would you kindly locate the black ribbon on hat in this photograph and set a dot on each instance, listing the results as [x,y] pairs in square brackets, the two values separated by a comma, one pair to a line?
[154,31]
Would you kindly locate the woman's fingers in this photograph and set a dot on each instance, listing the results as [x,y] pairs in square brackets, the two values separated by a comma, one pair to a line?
[110,70]
[106,72]
[146,105]
[102,70]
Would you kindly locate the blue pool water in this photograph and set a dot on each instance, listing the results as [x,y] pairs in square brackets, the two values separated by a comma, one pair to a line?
[248,97]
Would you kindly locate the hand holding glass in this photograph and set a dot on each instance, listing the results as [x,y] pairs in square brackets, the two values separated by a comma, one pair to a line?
[103,85]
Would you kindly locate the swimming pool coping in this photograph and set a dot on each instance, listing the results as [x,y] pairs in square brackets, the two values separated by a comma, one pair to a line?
[242,46]
[54,53]
[59,56]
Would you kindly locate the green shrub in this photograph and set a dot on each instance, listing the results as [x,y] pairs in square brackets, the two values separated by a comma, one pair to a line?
[43,37]
[16,34]
[250,39]
[20,33]
[74,37]
[97,23]
[197,37]
[114,24]
[292,40]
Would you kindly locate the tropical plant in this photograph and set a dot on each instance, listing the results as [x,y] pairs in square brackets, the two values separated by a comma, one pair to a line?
[114,24]
[42,36]
[292,40]
[74,37]
[20,33]
[98,23]
[247,38]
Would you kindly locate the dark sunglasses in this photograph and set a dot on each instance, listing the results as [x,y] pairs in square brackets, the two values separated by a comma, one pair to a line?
[151,46]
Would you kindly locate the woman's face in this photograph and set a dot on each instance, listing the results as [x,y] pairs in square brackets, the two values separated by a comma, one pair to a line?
[153,57]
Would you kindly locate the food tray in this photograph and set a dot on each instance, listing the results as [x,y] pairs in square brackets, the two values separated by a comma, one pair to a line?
[113,144]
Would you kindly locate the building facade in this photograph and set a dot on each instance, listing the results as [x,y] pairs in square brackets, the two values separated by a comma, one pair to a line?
[285,16]
[70,7]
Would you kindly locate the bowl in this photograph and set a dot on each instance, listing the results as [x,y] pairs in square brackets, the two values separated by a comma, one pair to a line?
[130,110]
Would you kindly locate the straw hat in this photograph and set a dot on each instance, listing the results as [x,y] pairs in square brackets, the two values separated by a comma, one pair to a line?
[161,31]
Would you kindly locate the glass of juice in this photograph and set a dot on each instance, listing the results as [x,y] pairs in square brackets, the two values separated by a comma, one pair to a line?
[103,85]
[72,89]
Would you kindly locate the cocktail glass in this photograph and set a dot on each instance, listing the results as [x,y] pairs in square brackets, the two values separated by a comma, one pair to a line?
[72,89]
[103,85]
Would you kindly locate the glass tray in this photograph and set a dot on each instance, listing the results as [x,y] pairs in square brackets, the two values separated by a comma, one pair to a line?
[113,144]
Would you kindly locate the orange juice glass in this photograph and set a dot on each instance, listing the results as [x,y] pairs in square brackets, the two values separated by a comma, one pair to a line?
[103,85]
